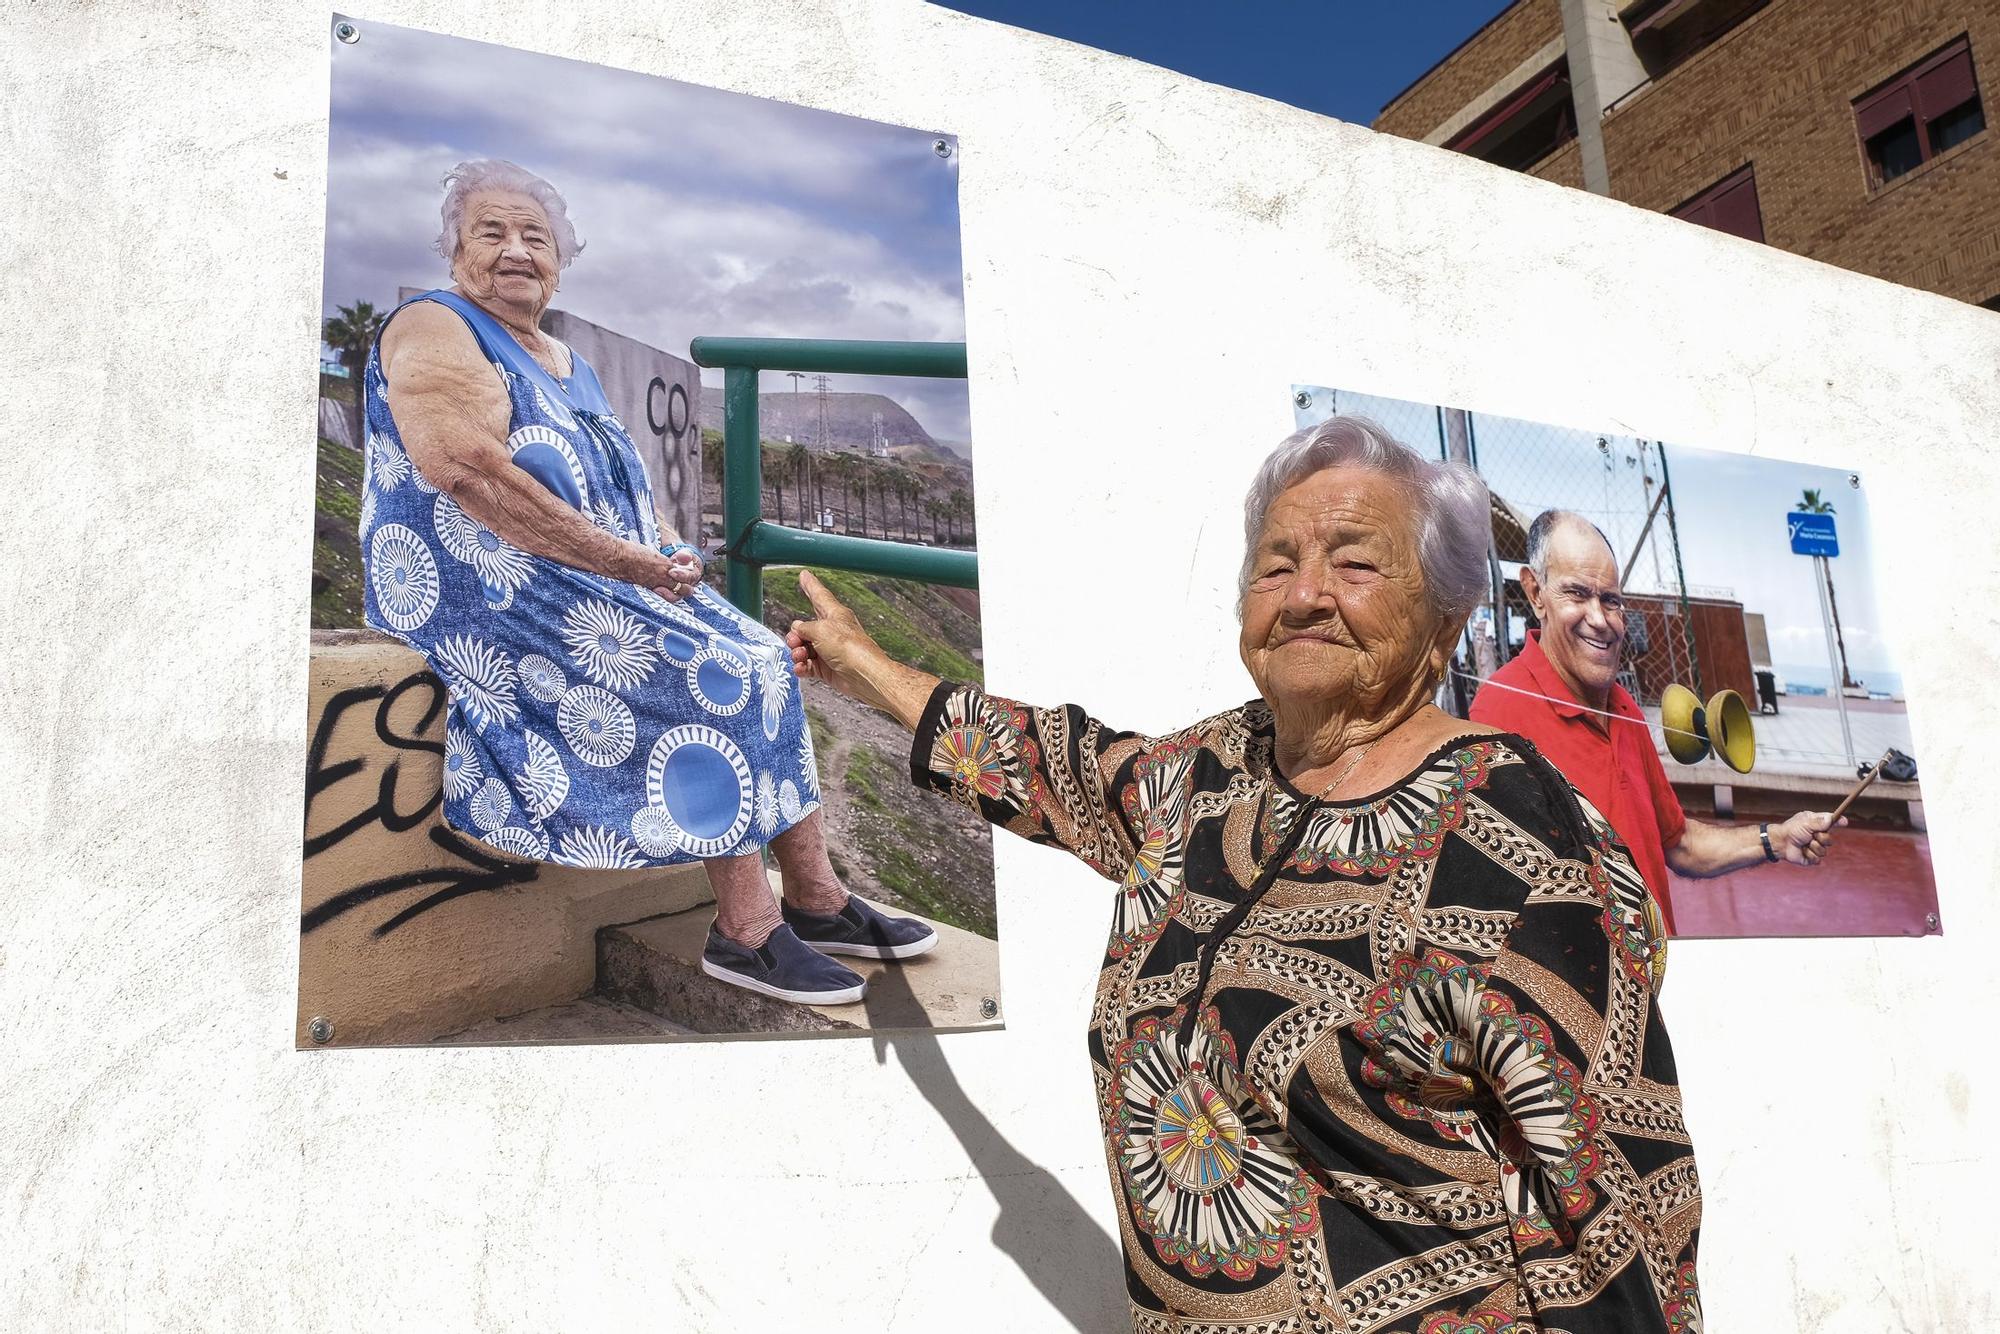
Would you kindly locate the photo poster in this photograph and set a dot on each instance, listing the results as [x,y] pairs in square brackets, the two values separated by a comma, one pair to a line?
[1722,590]
[508,810]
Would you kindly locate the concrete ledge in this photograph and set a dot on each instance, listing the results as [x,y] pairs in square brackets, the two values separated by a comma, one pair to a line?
[655,965]
[410,931]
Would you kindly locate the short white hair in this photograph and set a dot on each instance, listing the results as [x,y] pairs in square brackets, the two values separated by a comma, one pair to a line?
[1454,516]
[469,178]
[1543,530]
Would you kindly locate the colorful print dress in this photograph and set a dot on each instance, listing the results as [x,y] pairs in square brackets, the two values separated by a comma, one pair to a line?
[591,722]
[1391,1064]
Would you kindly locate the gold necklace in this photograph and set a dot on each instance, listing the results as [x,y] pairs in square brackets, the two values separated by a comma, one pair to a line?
[1360,753]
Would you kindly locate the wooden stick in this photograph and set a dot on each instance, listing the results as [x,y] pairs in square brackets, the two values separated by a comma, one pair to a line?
[1859,788]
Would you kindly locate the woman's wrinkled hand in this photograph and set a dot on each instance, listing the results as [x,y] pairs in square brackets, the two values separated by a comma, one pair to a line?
[832,647]
[681,572]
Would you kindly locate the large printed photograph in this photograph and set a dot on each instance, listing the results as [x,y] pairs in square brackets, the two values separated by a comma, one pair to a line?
[606,361]
[1696,640]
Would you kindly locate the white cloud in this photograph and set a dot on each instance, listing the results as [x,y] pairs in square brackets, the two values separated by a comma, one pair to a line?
[702,212]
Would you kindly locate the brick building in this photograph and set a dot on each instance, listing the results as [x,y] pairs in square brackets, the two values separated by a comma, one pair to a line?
[1851,131]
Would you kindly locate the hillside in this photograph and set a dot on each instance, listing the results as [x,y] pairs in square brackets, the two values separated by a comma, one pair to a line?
[850,418]
[889,840]
[336,569]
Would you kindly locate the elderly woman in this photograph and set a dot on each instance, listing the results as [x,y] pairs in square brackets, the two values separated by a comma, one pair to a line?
[1375,1037]
[605,709]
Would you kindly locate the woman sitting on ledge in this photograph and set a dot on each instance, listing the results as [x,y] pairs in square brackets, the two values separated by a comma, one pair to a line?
[606,709]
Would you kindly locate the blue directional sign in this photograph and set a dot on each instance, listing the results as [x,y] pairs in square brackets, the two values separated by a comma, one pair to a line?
[1812,534]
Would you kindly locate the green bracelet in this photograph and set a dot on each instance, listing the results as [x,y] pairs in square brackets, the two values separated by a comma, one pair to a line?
[669,551]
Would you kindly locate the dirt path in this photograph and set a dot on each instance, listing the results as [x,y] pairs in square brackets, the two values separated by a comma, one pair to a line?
[890,840]
[842,820]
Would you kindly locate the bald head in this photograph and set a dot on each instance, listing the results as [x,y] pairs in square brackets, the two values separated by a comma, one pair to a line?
[1571,581]
[1568,526]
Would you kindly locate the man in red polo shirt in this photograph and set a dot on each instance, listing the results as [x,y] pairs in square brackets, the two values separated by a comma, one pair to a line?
[1558,690]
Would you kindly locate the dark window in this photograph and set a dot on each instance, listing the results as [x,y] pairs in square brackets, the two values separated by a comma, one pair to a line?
[1929,107]
[1525,127]
[1665,33]
[1730,205]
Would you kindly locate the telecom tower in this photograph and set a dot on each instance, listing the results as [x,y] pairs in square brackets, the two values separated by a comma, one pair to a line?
[878,447]
[823,441]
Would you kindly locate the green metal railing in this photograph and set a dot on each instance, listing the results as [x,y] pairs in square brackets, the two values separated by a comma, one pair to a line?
[751,541]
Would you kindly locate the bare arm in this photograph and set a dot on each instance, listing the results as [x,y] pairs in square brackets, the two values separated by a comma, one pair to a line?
[1710,850]
[834,648]
[452,412]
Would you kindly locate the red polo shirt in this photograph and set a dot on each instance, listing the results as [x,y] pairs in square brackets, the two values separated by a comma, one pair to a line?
[1619,773]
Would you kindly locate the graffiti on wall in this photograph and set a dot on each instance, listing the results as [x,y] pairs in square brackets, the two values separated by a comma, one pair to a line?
[372,776]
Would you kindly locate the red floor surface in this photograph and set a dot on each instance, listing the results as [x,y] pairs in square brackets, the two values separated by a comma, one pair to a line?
[1873,883]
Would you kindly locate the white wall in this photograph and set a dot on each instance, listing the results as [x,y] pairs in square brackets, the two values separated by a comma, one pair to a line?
[1151,262]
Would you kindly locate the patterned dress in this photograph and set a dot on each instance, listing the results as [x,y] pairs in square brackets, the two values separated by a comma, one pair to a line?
[1390,1064]
[591,722]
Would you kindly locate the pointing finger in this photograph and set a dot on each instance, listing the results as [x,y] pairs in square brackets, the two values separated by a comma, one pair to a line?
[823,601]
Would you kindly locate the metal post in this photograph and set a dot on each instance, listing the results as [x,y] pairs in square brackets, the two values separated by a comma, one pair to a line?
[742,482]
[774,544]
[1680,574]
[1455,446]
[1832,656]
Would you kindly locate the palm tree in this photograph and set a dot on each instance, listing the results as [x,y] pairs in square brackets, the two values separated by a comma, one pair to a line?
[961,508]
[797,460]
[863,469]
[837,465]
[1814,503]
[935,507]
[776,476]
[350,333]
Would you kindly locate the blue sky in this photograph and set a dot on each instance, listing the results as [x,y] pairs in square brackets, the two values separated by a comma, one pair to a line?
[1730,510]
[700,211]
[1341,58]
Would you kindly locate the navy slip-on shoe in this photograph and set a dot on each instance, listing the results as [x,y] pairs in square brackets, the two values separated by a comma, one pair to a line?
[860,930]
[782,967]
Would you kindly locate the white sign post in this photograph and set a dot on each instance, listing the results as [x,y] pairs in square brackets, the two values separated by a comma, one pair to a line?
[1814,535]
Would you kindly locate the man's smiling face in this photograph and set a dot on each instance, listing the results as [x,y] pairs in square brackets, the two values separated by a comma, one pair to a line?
[1582,610]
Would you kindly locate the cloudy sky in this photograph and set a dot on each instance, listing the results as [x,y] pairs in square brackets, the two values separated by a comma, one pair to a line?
[700,212]
[1730,510]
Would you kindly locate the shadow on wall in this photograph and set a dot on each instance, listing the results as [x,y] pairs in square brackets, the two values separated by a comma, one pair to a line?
[388,969]
[1041,1228]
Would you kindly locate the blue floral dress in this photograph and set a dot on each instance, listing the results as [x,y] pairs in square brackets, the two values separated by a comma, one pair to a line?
[591,722]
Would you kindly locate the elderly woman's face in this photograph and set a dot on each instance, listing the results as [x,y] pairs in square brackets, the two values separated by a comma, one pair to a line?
[1336,608]
[506,250]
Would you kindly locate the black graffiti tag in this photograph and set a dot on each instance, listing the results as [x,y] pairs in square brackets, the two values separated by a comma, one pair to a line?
[676,396]
[473,870]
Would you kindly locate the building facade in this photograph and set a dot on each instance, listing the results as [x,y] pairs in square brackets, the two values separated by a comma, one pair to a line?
[1850,131]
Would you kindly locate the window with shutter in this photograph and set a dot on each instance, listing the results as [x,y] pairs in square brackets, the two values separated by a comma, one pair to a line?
[1929,107]
[1730,205]
[1524,127]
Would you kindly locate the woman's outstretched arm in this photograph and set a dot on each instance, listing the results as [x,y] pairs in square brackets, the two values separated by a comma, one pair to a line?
[1052,775]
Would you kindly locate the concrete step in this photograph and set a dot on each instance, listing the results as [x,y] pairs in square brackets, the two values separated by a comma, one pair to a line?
[591,1018]
[655,965]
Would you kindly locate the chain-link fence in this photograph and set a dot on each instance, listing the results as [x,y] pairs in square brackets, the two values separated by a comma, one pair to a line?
[1622,484]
